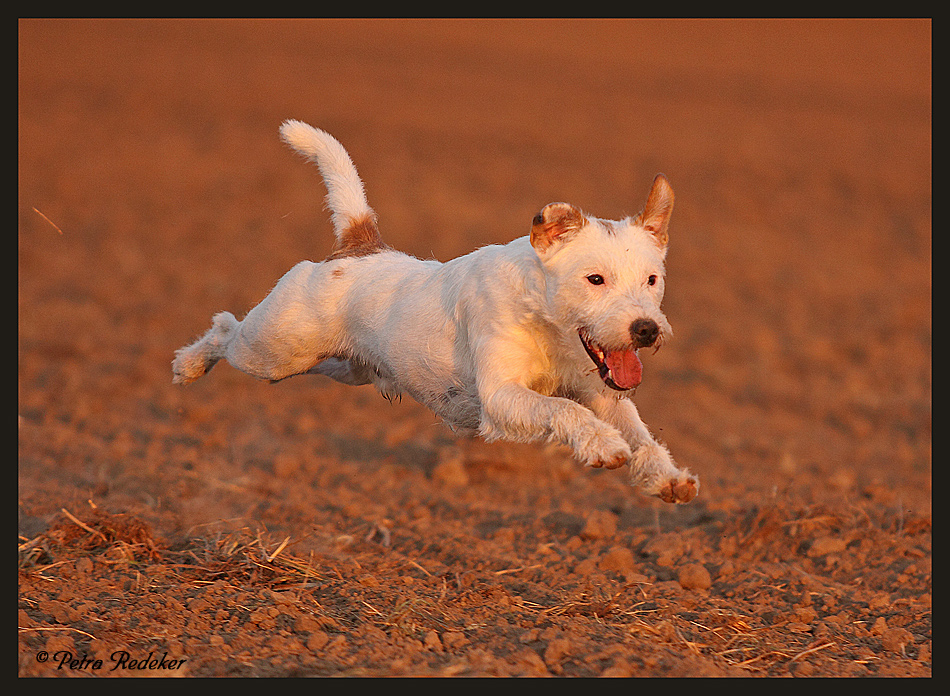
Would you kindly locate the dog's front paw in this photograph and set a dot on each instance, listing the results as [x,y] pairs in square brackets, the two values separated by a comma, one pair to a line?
[613,460]
[653,470]
[607,451]
[679,490]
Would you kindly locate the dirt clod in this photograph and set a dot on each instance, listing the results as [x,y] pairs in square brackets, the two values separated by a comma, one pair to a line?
[695,576]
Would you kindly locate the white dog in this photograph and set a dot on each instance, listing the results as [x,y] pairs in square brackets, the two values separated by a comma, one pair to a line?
[533,340]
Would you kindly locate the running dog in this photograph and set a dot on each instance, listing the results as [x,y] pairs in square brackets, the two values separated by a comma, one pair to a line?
[533,340]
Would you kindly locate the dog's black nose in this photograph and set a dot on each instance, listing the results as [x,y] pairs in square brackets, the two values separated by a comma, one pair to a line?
[644,332]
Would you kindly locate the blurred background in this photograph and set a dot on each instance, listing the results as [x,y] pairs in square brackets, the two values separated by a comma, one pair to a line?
[153,191]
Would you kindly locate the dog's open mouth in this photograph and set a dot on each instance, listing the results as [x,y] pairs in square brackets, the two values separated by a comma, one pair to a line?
[620,369]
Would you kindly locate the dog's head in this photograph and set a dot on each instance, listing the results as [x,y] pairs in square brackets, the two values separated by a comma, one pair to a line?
[605,281]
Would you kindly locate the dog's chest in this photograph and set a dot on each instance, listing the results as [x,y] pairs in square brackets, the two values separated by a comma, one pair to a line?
[459,408]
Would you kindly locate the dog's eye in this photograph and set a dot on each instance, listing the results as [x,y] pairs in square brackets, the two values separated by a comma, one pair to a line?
[595,279]
[651,280]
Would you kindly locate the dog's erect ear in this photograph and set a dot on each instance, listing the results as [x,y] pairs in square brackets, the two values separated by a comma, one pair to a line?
[655,215]
[555,224]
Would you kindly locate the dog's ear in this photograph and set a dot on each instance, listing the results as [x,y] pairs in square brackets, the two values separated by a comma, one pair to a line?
[655,216]
[555,224]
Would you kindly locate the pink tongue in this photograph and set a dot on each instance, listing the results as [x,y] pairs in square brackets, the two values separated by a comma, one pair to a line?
[626,370]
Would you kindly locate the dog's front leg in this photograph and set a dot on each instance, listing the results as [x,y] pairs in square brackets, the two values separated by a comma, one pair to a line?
[651,467]
[513,411]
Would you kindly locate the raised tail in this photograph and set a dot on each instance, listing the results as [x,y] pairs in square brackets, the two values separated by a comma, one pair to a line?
[354,222]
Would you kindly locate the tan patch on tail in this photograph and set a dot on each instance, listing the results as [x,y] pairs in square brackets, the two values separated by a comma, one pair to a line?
[360,238]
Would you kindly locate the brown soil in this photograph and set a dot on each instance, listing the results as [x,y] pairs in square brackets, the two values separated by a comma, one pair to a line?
[307,528]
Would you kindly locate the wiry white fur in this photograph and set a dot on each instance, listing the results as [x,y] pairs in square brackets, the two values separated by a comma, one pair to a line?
[489,341]
[346,198]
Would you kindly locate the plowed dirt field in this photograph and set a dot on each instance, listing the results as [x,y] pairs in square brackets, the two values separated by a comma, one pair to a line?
[239,528]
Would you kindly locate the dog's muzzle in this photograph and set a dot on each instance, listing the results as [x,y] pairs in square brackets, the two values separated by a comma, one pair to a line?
[620,368]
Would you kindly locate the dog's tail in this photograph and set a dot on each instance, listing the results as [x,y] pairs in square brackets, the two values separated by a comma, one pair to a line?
[354,222]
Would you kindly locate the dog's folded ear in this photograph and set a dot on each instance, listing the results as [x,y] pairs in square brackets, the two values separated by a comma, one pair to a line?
[555,224]
[655,216]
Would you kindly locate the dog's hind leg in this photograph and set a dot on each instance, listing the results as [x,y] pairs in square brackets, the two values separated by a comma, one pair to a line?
[292,330]
[262,348]
[193,361]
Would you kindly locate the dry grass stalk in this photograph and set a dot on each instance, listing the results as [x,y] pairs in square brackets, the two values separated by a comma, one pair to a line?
[246,555]
[56,227]
[84,525]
